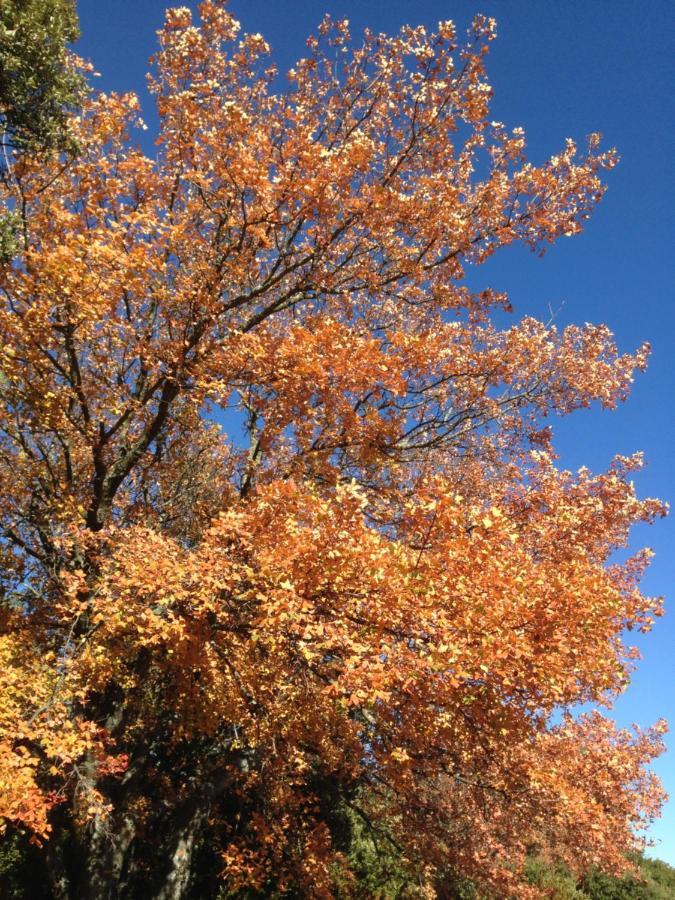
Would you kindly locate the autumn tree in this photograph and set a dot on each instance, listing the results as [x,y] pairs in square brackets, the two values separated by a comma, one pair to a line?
[287,560]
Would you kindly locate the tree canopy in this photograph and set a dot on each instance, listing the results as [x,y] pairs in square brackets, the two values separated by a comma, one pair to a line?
[287,559]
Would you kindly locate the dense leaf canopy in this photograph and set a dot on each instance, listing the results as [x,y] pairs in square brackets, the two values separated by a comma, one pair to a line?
[284,543]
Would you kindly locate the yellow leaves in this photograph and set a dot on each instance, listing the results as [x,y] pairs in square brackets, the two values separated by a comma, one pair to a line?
[400,754]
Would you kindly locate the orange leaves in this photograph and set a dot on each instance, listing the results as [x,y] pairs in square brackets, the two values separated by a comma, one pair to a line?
[279,522]
[22,801]
[39,741]
[587,766]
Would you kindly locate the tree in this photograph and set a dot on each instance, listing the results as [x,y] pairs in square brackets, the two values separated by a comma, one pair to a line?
[40,84]
[38,81]
[287,561]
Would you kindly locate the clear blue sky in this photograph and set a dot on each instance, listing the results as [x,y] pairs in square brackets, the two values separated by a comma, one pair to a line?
[559,69]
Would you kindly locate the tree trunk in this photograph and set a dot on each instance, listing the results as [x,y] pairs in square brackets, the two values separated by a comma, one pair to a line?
[96,877]
[57,871]
[177,880]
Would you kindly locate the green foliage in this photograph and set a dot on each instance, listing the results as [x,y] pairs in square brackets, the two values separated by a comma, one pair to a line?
[39,86]
[604,887]
[11,863]
[556,880]
[657,882]
[660,878]
[378,868]
[38,82]
[376,862]
[10,225]
[22,874]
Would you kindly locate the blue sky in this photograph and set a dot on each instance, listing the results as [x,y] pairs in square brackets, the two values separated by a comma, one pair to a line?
[559,70]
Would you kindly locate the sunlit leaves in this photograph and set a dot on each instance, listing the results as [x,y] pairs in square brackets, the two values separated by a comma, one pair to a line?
[282,525]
